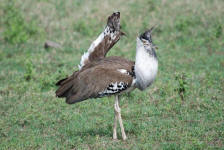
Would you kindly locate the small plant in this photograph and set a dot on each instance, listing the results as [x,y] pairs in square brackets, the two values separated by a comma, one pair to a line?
[16,29]
[182,87]
[218,31]
[29,70]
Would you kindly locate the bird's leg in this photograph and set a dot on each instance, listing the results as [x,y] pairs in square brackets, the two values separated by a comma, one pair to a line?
[115,119]
[118,110]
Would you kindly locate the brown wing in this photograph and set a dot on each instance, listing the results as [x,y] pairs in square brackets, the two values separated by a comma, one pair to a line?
[106,40]
[94,83]
[106,77]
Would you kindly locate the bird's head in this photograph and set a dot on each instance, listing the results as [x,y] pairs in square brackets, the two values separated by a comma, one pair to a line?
[145,39]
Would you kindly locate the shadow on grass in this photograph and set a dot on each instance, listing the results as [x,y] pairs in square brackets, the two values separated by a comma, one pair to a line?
[100,131]
[106,131]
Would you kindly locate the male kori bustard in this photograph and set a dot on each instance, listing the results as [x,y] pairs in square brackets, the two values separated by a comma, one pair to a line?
[100,76]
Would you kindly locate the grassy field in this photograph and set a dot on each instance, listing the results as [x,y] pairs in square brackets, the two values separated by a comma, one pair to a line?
[183,109]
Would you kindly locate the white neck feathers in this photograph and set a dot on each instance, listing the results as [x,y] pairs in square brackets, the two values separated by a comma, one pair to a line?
[146,66]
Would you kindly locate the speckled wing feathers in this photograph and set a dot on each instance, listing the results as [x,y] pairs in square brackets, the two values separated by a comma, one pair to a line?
[105,41]
[99,76]
[94,80]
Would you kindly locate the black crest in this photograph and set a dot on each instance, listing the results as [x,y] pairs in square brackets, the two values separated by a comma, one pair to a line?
[147,35]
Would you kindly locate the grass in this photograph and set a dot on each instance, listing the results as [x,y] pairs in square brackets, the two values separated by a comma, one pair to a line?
[191,57]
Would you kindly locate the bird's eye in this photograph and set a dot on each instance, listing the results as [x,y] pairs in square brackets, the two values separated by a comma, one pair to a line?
[144,41]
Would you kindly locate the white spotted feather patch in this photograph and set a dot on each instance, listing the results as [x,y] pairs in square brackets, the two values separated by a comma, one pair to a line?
[95,43]
[114,88]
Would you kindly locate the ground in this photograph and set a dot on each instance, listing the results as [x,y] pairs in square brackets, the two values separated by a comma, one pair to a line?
[183,109]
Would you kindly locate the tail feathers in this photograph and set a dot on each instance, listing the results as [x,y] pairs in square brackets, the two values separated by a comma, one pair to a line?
[65,86]
[65,90]
[71,91]
[75,99]
[60,82]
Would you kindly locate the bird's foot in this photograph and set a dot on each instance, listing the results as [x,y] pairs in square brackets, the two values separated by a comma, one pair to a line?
[115,135]
[124,137]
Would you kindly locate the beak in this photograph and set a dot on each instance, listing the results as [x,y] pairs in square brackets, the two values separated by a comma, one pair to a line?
[153,28]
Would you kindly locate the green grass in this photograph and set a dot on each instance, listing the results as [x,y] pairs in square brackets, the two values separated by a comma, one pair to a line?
[190,40]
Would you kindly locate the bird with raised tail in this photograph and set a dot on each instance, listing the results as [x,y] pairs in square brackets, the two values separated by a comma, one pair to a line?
[100,76]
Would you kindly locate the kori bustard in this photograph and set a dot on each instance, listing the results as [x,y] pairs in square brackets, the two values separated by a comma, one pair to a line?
[100,76]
